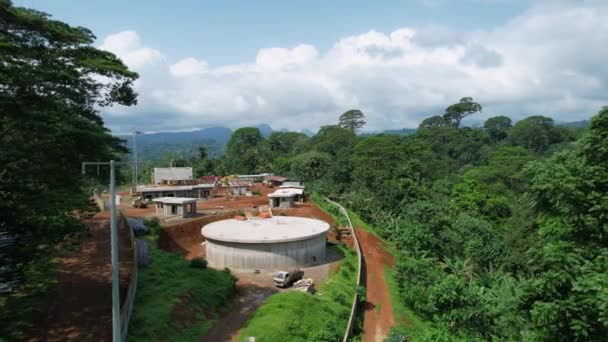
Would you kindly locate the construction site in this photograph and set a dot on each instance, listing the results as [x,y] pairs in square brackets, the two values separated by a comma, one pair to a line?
[233,224]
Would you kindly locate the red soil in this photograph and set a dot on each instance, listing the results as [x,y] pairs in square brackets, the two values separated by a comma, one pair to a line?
[185,237]
[80,305]
[378,317]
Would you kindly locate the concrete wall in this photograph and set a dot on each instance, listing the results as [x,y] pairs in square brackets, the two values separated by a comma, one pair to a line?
[265,256]
[281,202]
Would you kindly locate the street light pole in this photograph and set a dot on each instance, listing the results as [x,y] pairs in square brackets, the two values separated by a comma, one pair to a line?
[116,331]
[136,163]
[114,242]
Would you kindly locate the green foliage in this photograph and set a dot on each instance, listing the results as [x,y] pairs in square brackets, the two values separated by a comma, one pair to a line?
[286,143]
[537,133]
[333,139]
[198,262]
[51,90]
[497,127]
[21,309]
[458,111]
[310,166]
[352,120]
[361,293]
[433,121]
[398,334]
[170,285]
[52,83]
[246,151]
[153,225]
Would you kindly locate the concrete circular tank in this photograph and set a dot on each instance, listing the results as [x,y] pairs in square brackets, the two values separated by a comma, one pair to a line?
[265,243]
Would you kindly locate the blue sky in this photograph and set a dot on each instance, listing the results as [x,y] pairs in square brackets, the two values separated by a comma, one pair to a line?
[297,64]
[207,28]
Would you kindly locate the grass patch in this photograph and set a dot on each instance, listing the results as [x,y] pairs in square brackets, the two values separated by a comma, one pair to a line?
[297,316]
[175,302]
[415,326]
[25,306]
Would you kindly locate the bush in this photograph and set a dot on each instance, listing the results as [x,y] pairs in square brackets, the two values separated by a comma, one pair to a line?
[234,278]
[397,334]
[240,213]
[198,263]
[362,293]
[153,225]
[282,213]
[255,193]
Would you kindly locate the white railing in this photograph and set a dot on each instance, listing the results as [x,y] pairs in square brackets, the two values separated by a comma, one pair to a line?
[353,310]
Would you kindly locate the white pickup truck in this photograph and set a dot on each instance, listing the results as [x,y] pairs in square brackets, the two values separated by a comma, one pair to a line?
[286,279]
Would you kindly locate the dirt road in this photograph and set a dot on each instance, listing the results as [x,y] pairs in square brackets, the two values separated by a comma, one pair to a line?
[249,298]
[80,306]
[378,317]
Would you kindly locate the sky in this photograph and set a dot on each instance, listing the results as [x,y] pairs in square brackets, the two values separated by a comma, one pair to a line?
[300,64]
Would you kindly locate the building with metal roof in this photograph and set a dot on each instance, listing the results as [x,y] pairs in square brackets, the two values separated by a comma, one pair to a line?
[170,175]
[175,206]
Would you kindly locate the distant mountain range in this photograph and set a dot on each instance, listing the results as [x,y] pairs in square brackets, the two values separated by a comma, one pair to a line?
[575,124]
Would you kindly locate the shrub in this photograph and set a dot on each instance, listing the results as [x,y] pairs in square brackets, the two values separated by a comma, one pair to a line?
[153,225]
[198,263]
[240,213]
[397,334]
[255,193]
[234,278]
[282,213]
[362,294]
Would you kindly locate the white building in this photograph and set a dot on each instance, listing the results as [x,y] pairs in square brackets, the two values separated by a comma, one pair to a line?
[171,175]
[190,191]
[175,206]
[285,197]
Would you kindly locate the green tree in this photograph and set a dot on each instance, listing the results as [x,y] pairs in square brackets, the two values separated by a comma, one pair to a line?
[331,139]
[52,83]
[310,166]
[537,133]
[203,152]
[352,120]
[286,143]
[497,127]
[568,295]
[50,91]
[246,151]
[456,112]
[433,121]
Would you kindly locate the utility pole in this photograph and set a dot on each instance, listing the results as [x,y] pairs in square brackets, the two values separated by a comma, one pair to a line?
[135,164]
[116,331]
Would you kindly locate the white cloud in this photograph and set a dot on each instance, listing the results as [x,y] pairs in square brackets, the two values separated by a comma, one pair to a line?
[188,67]
[549,60]
[127,45]
[275,59]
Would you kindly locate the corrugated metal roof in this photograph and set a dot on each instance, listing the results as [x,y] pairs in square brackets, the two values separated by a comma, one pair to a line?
[146,188]
[276,178]
[174,200]
[290,192]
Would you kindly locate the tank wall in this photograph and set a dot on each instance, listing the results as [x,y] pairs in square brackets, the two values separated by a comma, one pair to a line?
[265,256]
